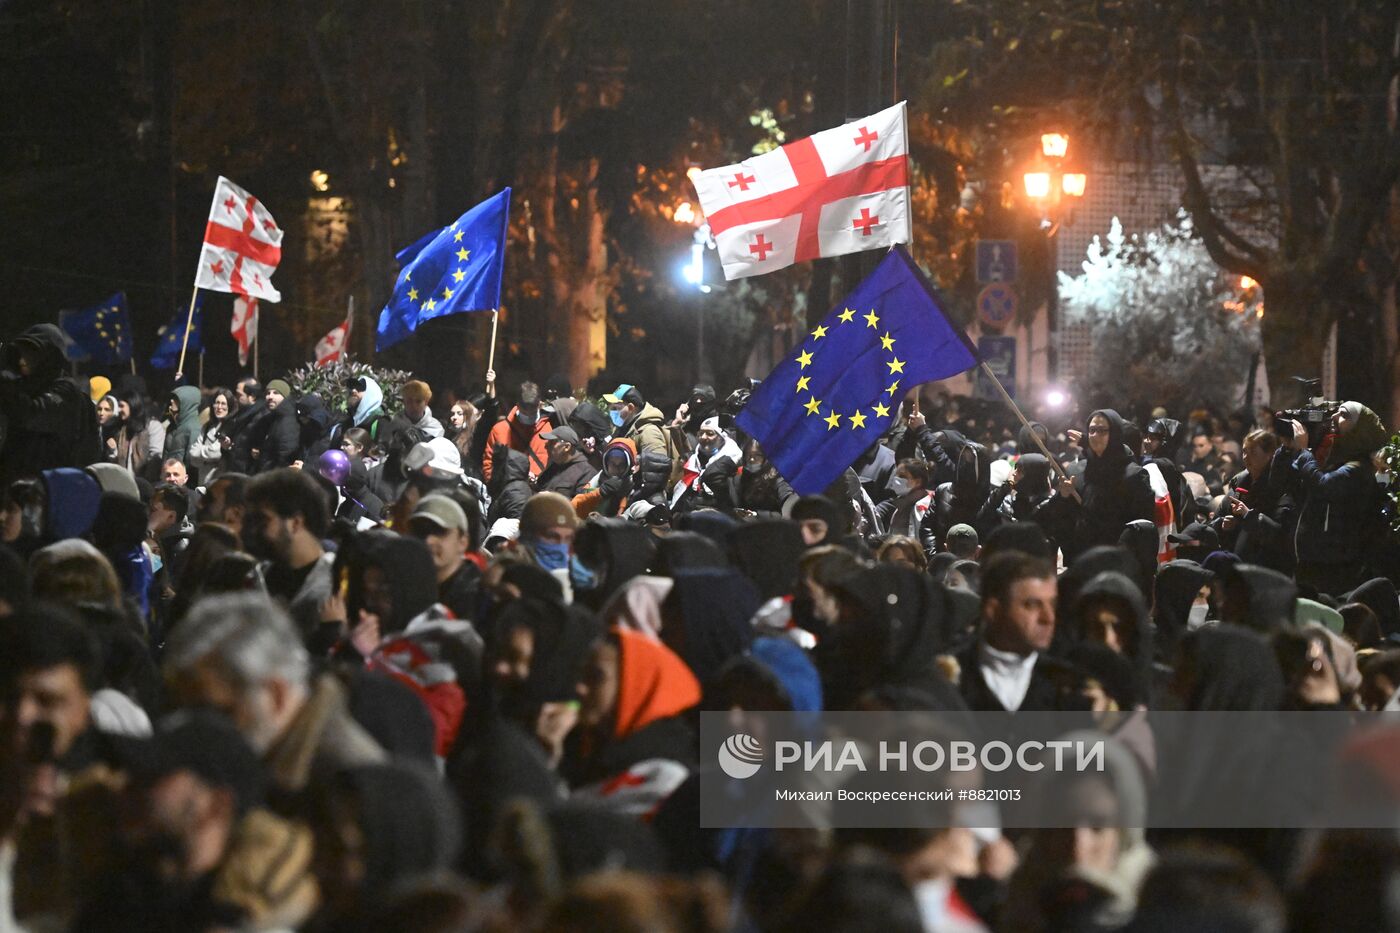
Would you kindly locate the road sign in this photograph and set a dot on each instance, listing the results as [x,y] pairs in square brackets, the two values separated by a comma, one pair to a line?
[996,261]
[999,353]
[996,305]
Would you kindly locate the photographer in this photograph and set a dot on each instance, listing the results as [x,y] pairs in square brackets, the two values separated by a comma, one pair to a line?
[51,420]
[1339,511]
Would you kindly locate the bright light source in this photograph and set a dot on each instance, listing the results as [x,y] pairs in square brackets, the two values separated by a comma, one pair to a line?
[685,214]
[320,180]
[1056,398]
[693,173]
[1074,183]
[694,271]
[1037,184]
[1054,145]
[1247,283]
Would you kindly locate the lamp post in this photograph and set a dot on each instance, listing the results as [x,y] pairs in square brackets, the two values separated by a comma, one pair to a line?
[1054,186]
[694,271]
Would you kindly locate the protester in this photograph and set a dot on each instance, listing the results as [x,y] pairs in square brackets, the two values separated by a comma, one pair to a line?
[51,422]
[521,430]
[416,397]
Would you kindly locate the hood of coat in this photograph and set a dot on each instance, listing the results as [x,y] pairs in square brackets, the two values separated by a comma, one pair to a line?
[1109,464]
[371,401]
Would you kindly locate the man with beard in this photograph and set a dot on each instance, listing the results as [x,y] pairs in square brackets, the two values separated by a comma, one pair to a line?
[705,480]
[285,516]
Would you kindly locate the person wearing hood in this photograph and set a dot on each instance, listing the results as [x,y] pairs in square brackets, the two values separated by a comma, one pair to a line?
[48,420]
[637,420]
[1020,499]
[1112,491]
[874,467]
[960,501]
[314,421]
[706,617]
[1181,595]
[704,481]
[281,438]
[182,410]
[522,430]
[700,405]
[364,410]
[509,484]
[1110,611]
[615,485]
[613,551]
[1339,511]
[760,490]
[109,425]
[632,747]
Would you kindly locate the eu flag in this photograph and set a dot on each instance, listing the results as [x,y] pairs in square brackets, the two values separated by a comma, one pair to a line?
[455,269]
[101,334]
[840,389]
[172,334]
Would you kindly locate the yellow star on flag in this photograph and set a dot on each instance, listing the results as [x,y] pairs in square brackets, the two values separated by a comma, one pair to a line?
[872,319]
[413,294]
[896,366]
[858,420]
[891,389]
[446,292]
[804,359]
[881,411]
[429,305]
[408,275]
[812,405]
[819,333]
[802,383]
[457,237]
[832,420]
[458,276]
[462,254]
[887,341]
[846,316]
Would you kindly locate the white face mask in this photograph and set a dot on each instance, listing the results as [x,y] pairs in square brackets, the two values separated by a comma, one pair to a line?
[1197,617]
[898,485]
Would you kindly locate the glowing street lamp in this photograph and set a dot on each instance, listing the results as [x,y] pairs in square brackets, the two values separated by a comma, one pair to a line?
[1073,184]
[1037,185]
[1054,145]
[685,214]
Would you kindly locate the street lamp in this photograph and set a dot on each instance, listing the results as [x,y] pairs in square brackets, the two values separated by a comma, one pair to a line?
[1054,187]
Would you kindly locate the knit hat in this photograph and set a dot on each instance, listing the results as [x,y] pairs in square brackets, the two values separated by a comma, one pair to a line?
[98,386]
[546,510]
[280,386]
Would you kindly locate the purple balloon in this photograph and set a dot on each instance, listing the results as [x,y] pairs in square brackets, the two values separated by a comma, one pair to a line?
[334,465]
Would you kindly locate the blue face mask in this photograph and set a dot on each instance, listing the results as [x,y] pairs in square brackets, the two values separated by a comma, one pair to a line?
[616,417]
[552,556]
[582,577]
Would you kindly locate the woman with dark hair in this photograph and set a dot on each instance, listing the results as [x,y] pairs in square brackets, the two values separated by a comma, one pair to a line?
[109,424]
[133,435]
[206,454]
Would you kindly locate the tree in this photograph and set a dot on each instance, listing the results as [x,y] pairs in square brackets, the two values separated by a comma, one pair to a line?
[1166,327]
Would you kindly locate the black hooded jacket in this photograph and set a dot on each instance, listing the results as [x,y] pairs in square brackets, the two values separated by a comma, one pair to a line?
[1262,536]
[960,501]
[1135,640]
[510,487]
[46,419]
[281,443]
[1173,592]
[1115,491]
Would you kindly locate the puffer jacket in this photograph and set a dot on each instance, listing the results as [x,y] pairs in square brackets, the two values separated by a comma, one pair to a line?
[184,432]
[647,430]
[510,485]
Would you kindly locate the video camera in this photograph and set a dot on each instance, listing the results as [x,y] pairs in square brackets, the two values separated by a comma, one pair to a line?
[1315,415]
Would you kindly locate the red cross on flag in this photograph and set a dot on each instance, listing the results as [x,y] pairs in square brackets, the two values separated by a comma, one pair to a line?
[839,191]
[329,347]
[242,245]
[244,326]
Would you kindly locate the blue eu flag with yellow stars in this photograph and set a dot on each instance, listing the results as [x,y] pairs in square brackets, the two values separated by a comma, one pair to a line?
[172,334]
[100,334]
[449,271]
[841,388]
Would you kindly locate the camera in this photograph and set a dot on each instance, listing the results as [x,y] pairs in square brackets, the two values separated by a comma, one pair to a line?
[1315,415]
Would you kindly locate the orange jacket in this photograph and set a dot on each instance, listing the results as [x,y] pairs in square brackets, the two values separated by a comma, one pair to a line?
[522,437]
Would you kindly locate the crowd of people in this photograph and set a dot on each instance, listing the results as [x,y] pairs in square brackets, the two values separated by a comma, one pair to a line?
[266,665]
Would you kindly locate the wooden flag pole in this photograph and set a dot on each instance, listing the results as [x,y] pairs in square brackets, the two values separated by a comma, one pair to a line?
[189,323]
[132,360]
[491,357]
[1006,397]
[201,367]
[257,344]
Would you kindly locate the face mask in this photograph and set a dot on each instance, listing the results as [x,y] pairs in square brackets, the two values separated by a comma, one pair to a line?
[552,556]
[1197,617]
[582,577]
[898,485]
[528,419]
[615,416]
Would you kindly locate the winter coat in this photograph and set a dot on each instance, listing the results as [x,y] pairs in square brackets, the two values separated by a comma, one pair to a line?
[706,485]
[184,429]
[206,456]
[1114,491]
[1262,537]
[593,499]
[510,486]
[46,420]
[246,427]
[647,430]
[514,434]
[567,479]
[282,442]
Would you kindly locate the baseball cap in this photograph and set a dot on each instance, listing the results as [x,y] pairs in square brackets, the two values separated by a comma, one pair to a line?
[624,393]
[206,744]
[441,511]
[1197,533]
[961,533]
[566,433]
[437,457]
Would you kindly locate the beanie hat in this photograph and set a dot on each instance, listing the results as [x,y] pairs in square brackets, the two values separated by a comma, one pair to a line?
[281,386]
[546,510]
[99,386]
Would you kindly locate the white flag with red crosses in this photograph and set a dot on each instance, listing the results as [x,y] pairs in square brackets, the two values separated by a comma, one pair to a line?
[242,245]
[329,347]
[244,326]
[839,191]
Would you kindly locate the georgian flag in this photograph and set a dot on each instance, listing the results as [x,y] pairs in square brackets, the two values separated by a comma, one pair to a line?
[242,245]
[329,347]
[244,327]
[839,191]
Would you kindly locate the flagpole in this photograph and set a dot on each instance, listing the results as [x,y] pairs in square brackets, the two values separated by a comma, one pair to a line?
[132,360]
[257,344]
[1035,436]
[491,358]
[189,323]
[201,367]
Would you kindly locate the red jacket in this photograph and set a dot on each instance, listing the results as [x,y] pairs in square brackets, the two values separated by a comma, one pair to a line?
[522,437]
